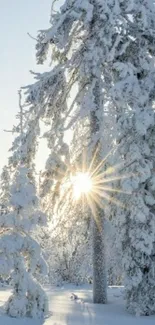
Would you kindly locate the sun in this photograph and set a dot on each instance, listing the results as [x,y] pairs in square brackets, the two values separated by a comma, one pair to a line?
[92,182]
[82,184]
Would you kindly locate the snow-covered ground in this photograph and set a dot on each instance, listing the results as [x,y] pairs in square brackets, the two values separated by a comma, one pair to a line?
[72,305]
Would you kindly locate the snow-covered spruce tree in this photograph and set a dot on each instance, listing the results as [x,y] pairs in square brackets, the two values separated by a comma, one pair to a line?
[5,183]
[133,74]
[77,45]
[5,189]
[132,79]
[20,254]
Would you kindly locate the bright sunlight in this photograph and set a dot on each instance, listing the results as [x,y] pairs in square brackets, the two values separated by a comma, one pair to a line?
[82,184]
[90,182]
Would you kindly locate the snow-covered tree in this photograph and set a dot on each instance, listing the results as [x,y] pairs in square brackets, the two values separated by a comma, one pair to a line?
[76,44]
[5,183]
[132,78]
[5,189]
[20,254]
[106,50]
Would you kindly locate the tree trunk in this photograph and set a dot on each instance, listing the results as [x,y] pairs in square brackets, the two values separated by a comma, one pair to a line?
[99,259]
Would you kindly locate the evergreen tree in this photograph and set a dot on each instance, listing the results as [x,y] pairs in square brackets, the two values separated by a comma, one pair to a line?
[132,96]
[20,254]
[5,189]
[131,76]
[77,46]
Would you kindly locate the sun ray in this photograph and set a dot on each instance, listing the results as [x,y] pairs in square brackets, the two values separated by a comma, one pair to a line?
[109,198]
[93,159]
[93,208]
[91,205]
[109,171]
[83,203]
[84,159]
[82,184]
[89,182]
[110,189]
[113,200]
[98,167]
[111,179]
[96,198]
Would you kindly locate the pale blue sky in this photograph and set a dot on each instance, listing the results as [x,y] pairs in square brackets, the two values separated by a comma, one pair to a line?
[17,57]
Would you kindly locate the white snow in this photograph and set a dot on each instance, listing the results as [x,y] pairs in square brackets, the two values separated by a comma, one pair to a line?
[65,310]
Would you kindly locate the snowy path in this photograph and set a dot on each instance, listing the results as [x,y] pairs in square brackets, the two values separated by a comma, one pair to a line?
[66,311]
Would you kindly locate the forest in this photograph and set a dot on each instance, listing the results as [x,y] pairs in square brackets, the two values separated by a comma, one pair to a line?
[77,239]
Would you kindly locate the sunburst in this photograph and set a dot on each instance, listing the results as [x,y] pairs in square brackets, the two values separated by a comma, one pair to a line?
[94,183]
[82,184]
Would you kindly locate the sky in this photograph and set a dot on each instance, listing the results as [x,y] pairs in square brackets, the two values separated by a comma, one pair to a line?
[17,58]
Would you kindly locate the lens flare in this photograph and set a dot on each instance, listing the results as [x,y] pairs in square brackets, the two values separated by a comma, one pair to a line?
[94,183]
[82,184]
